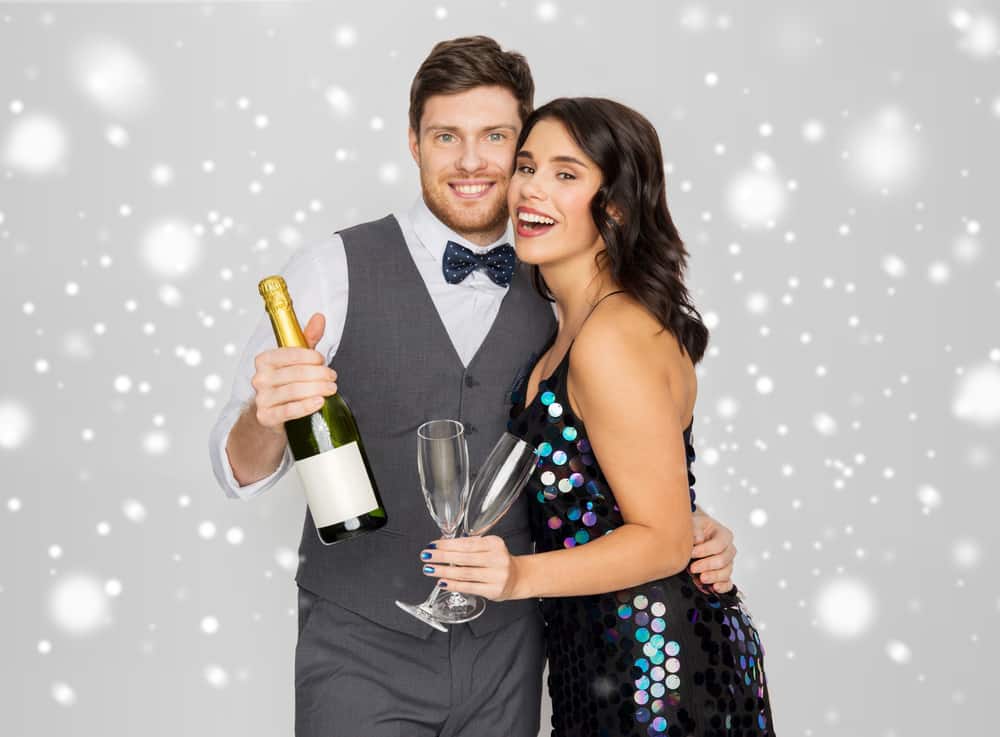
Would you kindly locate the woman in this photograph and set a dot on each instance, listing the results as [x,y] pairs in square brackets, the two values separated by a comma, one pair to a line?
[635,647]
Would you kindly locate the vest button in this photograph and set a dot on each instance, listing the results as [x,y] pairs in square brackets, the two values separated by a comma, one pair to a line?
[470,381]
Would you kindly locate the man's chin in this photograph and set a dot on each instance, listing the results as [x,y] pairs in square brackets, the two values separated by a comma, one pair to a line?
[468,216]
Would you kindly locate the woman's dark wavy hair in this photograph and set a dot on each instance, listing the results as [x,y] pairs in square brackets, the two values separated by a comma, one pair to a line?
[645,254]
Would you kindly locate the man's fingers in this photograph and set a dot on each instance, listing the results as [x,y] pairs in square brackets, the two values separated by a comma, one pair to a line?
[296,392]
[708,548]
[276,416]
[717,576]
[313,330]
[287,356]
[298,374]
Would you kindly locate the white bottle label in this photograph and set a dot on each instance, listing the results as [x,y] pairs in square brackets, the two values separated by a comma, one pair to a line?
[337,485]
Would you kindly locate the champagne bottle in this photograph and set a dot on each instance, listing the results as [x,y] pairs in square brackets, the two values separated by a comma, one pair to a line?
[329,455]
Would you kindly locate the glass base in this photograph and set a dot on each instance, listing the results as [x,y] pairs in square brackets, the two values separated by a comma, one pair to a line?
[421,613]
[456,608]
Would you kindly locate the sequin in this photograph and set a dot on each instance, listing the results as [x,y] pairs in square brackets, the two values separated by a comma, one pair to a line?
[545,450]
[559,458]
[657,690]
[577,480]
[565,486]
[658,674]
[624,611]
[658,609]
[673,682]
[642,619]
[658,625]
[549,492]
[642,635]
[673,665]
[569,433]
[589,519]
[555,410]
[548,398]
[643,683]
[672,648]
[569,542]
[641,697]
[555,523]
[573,514]
[640,601]
[548,478]
[660,724]
[583,446]
[582,537]
[642,715]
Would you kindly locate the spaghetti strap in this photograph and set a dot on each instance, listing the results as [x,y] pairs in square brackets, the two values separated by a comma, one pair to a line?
[609,294]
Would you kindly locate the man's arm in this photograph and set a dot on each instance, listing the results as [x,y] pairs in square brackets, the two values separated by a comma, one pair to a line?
[248,446]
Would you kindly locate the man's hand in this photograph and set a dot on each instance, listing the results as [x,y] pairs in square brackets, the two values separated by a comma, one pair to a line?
[713,554]
[289,383]
[292,382]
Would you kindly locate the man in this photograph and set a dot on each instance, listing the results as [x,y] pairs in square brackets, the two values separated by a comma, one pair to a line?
[427,320]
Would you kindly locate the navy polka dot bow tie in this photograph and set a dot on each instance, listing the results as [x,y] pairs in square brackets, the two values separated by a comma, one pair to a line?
[459,262]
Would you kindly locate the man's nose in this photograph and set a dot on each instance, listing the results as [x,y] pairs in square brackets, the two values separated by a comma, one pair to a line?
[471,159]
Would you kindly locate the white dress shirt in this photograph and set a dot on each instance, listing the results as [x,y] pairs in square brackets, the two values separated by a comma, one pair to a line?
[317,282]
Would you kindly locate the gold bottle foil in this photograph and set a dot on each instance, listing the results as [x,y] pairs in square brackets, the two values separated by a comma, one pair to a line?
[279,308]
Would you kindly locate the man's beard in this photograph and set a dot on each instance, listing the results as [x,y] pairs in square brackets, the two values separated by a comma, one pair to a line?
[469,224]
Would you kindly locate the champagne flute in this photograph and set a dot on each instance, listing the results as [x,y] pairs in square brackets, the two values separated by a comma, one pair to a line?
[443,465]
[497,486]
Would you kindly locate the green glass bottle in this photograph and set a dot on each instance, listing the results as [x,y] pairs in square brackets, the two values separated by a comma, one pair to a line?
[330,458]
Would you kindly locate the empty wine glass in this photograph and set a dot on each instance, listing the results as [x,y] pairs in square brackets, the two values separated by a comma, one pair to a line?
[497,486]
[443,465]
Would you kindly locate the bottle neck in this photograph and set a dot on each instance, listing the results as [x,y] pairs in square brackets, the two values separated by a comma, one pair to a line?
[286,326]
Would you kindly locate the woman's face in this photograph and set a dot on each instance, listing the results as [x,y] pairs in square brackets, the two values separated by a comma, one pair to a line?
[549,197]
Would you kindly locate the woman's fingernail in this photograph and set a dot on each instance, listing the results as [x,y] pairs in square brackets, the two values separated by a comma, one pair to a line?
[425,556]
[442,584]
[432,546]
[428,569]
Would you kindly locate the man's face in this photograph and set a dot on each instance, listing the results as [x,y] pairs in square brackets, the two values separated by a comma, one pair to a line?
[465,151]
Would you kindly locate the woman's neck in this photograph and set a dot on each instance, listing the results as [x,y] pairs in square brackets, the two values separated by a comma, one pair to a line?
[576,287]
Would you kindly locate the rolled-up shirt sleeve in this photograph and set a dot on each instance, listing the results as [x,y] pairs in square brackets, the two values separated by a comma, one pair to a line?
[317,282]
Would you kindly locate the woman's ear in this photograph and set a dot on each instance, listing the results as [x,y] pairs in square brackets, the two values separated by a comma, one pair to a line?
[615,213]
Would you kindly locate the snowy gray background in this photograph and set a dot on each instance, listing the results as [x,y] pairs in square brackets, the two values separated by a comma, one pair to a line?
[831,166]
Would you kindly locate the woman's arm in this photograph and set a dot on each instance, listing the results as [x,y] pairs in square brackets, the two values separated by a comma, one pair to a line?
[621,387]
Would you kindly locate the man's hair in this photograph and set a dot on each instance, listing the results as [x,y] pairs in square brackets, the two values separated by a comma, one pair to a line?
[462,64]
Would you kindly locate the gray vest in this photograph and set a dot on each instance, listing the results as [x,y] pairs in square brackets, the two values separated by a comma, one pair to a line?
[398,368]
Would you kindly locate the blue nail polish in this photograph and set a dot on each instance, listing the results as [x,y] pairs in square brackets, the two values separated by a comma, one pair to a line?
[442,584]
[432,546]
[425,556]
[428,569]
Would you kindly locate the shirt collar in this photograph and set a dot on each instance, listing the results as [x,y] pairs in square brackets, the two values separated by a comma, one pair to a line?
[434,235]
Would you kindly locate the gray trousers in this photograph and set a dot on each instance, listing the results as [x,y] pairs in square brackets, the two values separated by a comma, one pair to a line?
[355,678]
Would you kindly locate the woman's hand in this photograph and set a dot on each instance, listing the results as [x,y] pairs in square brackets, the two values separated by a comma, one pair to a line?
[472,565]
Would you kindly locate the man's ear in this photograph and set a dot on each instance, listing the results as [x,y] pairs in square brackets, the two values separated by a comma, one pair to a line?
[414,145]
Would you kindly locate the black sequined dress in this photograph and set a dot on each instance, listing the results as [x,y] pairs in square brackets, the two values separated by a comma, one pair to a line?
[661,658]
